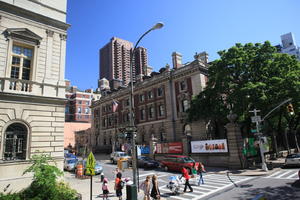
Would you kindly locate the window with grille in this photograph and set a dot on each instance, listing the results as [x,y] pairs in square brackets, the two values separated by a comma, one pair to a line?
[15,143]
[22,58]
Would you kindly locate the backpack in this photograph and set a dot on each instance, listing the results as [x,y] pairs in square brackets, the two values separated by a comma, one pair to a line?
[122,184]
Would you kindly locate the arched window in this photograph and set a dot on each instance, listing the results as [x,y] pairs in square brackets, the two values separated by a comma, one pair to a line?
[15,142]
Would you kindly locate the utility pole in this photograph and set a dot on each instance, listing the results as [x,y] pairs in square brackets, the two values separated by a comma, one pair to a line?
[257,119]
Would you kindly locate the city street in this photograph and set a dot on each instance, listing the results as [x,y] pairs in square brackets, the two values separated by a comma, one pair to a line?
[281,183]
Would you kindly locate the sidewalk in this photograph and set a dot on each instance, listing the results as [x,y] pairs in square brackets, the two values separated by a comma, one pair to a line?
[83,187]
[249,172]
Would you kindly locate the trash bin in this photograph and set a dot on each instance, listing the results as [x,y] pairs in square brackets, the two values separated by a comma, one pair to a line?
[119,164]
[131,192]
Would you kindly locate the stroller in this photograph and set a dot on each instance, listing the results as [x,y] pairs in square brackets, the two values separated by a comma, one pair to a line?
[174,184]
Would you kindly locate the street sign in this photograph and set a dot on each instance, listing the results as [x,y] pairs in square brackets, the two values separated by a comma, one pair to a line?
[255,119]
[253,131]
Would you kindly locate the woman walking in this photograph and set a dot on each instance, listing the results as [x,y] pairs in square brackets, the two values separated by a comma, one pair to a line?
[185,174]
[200,171]
[105,189]
[145,186]
[155,193]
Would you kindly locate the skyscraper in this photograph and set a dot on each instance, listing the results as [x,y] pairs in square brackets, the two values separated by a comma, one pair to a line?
[115,62]
[289,45]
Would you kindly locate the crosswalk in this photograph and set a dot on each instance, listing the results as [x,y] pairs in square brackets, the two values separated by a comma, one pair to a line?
[213,183]
[284,174]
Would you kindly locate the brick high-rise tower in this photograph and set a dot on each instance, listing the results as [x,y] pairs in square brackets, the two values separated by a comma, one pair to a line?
[115,62]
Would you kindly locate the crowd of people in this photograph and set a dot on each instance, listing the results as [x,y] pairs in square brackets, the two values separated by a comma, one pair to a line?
[151,191]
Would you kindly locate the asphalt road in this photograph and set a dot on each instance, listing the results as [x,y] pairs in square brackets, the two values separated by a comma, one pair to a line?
[281,185]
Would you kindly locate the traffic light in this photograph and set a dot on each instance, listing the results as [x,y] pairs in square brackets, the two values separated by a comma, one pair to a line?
[290,109]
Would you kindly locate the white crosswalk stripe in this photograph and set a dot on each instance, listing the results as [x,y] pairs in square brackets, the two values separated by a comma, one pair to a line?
[285,174]
[212,183]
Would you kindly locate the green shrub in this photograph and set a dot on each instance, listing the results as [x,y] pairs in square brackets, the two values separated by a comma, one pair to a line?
[44,185]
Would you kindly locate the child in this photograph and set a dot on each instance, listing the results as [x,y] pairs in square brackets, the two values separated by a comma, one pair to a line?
[105,188]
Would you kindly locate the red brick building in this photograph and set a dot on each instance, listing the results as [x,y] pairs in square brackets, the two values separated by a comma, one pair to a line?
[160,108]
[78,104]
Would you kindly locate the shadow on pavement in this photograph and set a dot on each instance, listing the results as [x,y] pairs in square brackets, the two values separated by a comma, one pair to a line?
[278,193]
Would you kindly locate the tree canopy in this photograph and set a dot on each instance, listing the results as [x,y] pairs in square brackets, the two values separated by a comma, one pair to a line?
[246,77]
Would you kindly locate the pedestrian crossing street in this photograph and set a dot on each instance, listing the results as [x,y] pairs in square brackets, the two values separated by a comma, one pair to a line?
[212,184]
[285,174]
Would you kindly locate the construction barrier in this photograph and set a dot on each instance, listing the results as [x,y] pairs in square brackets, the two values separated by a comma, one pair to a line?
[79,170]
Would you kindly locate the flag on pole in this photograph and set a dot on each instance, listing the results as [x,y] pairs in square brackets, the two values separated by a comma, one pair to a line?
[114,105]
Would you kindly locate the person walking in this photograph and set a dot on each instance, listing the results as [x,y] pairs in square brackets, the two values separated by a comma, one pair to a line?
[105,188]
[118,185]
[145,186]
[201,169]
[185,174]
[155,193]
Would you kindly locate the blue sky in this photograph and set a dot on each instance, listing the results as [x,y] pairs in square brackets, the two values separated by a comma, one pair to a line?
[190,26]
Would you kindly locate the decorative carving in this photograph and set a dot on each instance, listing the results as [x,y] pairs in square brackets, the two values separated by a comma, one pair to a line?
[49,33]
[63,36]
[232,117]
[22,33]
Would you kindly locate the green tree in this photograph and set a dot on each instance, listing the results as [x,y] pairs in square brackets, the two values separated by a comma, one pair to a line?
[246,77]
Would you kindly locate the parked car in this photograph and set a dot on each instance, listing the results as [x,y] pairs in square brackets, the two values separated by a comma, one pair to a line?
[145,162]
[70,164]
[70,155]
[115,156]
[98,167]
[176,162]
[293,159]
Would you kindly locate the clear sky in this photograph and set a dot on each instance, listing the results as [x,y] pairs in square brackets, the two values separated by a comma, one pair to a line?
[190,26]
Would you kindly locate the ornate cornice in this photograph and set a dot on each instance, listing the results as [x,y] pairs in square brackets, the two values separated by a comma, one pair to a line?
[63,36]
[9,8]
[50,33]
[22,34]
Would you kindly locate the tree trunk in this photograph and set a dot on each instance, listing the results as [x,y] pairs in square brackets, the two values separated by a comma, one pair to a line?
[286,140]
[275,147]
[296,140]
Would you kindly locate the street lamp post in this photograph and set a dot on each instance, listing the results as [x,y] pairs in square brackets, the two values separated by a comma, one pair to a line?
[132,129]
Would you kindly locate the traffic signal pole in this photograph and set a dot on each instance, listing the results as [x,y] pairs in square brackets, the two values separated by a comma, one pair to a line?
[257,119]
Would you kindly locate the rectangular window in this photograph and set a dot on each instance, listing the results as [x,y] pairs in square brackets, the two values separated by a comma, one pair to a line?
[151,112]
[21,62]
[150,95]
[142,114]
[161,110]
[142,97]
[79,110]
[182,85]
[87,110]
[160,91]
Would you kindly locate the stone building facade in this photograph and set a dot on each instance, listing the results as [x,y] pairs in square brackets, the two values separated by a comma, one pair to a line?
[160,108]
[32,85]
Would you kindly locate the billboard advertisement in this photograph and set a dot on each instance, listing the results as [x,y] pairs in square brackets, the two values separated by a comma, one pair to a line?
[172,147]
[209,146]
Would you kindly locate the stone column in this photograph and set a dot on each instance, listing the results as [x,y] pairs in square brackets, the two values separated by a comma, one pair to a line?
[185,143]
[236,159]
[152,146]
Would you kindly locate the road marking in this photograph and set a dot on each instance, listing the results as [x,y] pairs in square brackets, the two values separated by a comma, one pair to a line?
[285,173]
[292,175]
[274,174]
